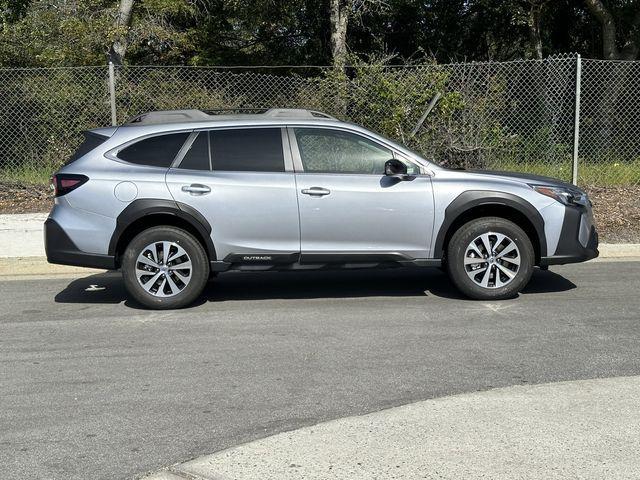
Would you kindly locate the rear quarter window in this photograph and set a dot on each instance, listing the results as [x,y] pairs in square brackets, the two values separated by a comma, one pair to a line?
[157,151]
[91,141]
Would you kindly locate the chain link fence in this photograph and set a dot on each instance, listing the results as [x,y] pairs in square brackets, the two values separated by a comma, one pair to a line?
[508,116]
[42,114]
[609,146]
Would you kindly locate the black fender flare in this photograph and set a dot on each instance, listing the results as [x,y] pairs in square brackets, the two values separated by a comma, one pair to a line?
[148,206]
[475,198]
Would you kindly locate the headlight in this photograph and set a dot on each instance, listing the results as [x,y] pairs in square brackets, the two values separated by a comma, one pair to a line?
[566,196]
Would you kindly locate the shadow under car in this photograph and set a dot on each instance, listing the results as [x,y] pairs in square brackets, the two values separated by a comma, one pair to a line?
[108,288]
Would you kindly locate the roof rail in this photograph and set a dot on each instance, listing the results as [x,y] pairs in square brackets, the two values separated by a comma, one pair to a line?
[296,113]
[177,116]
[168,116]
[227,111]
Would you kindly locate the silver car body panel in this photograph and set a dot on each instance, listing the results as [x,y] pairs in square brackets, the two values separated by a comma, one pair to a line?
[250,212]
[365,214]
[449,184]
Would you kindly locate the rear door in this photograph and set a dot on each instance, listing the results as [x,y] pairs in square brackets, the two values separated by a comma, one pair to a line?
[242,181]
[351,211]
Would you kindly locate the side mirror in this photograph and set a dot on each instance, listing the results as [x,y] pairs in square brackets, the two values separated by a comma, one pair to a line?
[395,168]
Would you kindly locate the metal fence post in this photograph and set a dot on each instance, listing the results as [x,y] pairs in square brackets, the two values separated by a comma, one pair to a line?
[576,126]
[112,94]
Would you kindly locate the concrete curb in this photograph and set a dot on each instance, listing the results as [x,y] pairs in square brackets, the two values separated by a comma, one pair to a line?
[576,429]
[619,250]
[37,265]
[20,267]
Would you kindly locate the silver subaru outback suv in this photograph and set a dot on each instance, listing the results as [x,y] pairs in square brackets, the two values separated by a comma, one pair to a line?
[173,197]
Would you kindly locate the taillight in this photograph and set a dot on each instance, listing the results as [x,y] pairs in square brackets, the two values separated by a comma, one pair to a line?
[63,183]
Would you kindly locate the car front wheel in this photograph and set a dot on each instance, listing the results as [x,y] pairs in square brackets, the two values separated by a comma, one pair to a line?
[490,258]
[165,267]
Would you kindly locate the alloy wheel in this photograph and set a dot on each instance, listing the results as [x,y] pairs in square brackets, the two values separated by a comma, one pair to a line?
[163,269]
[492,260]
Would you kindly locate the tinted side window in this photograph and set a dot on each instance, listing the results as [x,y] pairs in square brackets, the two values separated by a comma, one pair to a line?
[250,149]
[158,151]
[334,151]
[91,141]
[197,157]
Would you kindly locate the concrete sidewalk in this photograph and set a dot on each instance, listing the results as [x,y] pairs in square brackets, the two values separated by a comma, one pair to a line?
[21,235]
[22,252]
[578,429]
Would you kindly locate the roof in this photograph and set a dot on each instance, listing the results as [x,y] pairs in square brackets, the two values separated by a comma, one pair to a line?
[180,116]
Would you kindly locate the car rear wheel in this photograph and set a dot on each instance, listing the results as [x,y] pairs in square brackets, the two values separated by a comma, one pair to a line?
[490,258]
[165,267]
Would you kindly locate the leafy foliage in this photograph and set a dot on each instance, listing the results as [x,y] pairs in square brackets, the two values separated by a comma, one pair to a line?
[79,32]
[267,32]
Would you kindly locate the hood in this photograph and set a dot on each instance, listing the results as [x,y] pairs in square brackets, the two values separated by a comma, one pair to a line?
[526,178]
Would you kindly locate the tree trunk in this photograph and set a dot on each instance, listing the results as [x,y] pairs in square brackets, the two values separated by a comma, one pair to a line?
[535,13]
[339,19]
[122,24]
[609,33]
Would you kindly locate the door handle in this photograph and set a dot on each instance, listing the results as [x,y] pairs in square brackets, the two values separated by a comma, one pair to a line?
[316,191]
[196,189]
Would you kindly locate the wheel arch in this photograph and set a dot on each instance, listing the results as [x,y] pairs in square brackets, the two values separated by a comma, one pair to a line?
[142,214]
[474,204]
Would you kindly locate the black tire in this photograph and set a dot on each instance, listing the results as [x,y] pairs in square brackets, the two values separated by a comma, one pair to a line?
[457,250]
[199,268]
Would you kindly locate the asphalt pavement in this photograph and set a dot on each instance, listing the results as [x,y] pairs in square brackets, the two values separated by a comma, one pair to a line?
[579,429]
[94,387]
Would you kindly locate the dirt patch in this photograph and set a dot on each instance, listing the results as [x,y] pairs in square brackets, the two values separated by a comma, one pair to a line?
[616,209]
[19,198]
[617,213]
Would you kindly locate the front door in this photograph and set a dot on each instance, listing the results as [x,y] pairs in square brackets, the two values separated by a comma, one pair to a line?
[237,179]
[351,211]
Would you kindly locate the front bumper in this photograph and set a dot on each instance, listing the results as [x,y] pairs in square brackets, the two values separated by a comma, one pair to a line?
[60,249]
[578,239]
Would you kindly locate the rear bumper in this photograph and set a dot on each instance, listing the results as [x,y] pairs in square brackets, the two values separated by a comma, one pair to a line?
[61,250]
[578,239]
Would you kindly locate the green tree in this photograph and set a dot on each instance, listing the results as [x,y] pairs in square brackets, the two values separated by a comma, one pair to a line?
[270,32]
[82,32]
[261,32]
